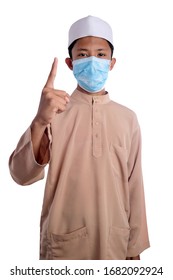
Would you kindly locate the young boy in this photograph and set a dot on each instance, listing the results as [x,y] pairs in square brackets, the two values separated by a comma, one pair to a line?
[94,206]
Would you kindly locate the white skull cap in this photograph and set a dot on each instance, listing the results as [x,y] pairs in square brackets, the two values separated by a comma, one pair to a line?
[90,26]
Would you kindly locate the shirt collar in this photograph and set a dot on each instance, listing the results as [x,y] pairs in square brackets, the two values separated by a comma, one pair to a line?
[89,98]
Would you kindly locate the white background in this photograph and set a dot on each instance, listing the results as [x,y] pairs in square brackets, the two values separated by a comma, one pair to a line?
[32,33]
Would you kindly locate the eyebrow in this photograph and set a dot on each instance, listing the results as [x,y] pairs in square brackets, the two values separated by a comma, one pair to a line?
[83,49]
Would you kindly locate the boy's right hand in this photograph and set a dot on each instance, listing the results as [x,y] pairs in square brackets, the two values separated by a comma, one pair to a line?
[52,100]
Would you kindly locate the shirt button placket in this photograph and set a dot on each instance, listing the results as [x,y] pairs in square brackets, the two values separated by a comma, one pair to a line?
[97,141]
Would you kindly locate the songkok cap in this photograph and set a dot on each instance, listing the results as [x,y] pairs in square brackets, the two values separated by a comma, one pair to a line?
[90,26]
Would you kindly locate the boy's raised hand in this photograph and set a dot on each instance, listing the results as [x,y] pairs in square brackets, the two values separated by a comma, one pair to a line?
[52,101]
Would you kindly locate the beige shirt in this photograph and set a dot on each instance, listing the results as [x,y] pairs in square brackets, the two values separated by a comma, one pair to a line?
[94,206]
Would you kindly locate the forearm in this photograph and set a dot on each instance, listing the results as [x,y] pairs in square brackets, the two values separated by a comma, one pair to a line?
[37,132]
[22,164]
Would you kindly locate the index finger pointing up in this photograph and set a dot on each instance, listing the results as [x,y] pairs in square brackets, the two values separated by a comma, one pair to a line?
[52,74]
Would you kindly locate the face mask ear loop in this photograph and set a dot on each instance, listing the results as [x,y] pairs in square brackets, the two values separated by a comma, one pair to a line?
[110,65]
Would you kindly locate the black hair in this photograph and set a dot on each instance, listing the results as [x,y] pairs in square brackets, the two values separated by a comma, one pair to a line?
[71,47]
[74,42]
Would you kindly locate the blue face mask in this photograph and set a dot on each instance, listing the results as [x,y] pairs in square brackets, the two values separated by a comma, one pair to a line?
[91,73]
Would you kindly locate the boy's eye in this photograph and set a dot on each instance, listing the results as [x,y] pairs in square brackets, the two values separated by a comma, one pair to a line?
[82,54]
[101,54]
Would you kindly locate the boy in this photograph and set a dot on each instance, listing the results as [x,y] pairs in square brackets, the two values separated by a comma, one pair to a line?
[93,205]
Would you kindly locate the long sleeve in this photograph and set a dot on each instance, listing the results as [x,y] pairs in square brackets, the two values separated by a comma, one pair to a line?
[22,164]
[138,240]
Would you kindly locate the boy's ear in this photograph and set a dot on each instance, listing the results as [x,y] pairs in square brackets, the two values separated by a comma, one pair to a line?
[68,61]
[113,61]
